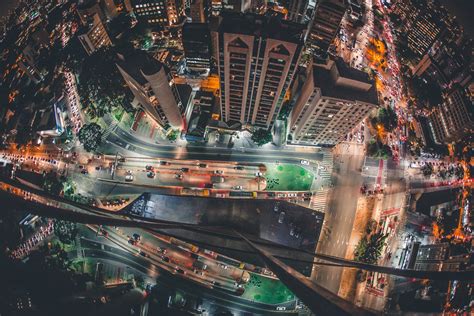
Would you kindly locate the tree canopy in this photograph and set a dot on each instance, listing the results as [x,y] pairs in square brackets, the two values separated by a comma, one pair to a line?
[90,136]
[369,249]
[387,118]
[100,85]
[261,137]
[377,149]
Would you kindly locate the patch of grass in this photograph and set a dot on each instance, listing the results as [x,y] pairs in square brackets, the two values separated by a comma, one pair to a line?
[267,291]
[288,177]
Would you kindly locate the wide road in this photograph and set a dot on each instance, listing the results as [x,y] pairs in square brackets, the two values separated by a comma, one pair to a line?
[341,212]
[122,139]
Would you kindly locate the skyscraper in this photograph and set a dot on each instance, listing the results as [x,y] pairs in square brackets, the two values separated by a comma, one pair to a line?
[333,100]
[153,88]
[453,118]
[196,11]
[152,12]
[196,42]
[297,10]
[95,36]
[325,24]
[257,57]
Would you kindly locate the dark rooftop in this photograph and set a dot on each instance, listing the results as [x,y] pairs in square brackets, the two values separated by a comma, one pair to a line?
[137,62]
[264,26]
[323,79]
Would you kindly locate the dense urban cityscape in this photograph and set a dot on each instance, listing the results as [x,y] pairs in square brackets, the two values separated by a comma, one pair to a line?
[236,157]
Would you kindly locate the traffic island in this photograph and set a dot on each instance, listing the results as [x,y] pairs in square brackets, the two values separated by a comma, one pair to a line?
[267,291]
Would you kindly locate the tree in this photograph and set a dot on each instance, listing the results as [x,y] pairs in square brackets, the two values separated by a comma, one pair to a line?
[99,87]
[65,231]
[172,135]
[427,170]
[369,249]
[261,137]
[387,118]
[377,149]
[90,136]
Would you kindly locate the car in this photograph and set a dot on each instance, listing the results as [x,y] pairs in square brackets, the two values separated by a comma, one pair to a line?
[237,187]
[84,171]
[281,217]
[143,254]
[179,270]
[258,174]
[202,165]
[178,176]
[136,236]
[165,259]
[98,168]
[184,169]
[150,174]
[218,172]
[292,194]
[164,163]
[129,178]
[239,168]
[304,162]
[281,195]
[132,242]
[276,207]
[149,168]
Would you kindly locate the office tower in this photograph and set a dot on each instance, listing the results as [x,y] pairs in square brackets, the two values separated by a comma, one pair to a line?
[333,100]
[152,12]
[325,25]
[453,118]
[297,10]
[87,8]
[95,36]
[257,57]
[110,9]
[196,11]
[175,9]
[153,88]
[196,42]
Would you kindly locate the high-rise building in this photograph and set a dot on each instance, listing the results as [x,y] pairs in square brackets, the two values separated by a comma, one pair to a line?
[453,118]
[196,11]
[442,257]
[325,24]
[152,12]
[95,36]
[333,100]
[153,88]
[297,10]
[110,9]
[196,42]
[256,57]
[425,22]
[87,8]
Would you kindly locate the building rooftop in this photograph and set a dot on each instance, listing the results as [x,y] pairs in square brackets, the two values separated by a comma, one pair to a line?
[138,63]
[324,79]
[261,26]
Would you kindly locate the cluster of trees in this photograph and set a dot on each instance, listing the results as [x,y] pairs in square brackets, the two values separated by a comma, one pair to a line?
[377,149]
[65,231]
[261,136]
[369,248]
[52,184]
[386,118]
[100,87]
[90,136]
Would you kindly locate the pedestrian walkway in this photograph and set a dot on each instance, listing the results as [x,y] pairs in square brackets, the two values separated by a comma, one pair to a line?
[326,166]
[319,200]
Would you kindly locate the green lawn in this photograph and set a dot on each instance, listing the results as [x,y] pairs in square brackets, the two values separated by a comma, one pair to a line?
[287,177]
[266,290]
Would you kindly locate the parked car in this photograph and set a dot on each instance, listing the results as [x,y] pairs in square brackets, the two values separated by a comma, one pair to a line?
[281,217]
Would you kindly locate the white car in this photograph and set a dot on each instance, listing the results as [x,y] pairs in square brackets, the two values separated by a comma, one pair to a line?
[129,178]
[304,162]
